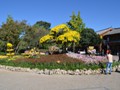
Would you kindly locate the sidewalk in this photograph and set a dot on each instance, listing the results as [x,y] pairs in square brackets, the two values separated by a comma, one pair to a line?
[31,81]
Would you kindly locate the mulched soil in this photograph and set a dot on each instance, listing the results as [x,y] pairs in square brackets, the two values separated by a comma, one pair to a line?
[50,58]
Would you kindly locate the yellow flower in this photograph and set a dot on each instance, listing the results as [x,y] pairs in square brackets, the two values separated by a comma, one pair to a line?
[46,38]
[58,28]
[61,33]
[9,45]
[9,50]
[3,56]
[69,37]
[60,38]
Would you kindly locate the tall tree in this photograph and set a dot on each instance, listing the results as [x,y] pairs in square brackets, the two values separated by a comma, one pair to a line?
[10,31]
[33,34]
[43,24]
[76,22]
[89,38]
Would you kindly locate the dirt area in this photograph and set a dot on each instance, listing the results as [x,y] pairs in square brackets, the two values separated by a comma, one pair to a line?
[50,58]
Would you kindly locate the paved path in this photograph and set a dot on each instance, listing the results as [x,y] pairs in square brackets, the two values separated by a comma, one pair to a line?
[30,81]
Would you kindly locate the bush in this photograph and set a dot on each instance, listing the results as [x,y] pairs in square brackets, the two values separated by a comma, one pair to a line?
[2,53]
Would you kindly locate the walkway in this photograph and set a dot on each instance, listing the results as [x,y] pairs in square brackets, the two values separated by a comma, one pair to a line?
[30,81]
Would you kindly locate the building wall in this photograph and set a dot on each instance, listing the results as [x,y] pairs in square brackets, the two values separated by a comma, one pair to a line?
[113,41]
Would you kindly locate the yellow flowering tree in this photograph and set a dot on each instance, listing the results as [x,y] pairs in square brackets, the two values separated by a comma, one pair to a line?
[61,34]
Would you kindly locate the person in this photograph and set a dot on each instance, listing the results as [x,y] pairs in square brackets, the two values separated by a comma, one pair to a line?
[109,63]
[107,51]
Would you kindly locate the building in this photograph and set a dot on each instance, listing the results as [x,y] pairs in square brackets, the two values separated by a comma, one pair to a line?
[111,39]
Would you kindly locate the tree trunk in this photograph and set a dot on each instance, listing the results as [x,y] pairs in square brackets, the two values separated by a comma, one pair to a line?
[64,48]
[73,46]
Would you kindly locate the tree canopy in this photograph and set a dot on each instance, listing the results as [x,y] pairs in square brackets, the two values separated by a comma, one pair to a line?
[43,24]
[61,34]
[20,34]
[10,31]
[89,37]
[66,34]
[76,22]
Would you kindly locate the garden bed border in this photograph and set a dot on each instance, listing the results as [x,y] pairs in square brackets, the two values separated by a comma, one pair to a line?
[59,71]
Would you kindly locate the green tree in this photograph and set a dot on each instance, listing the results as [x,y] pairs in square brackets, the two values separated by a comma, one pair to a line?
[89,38]
[76,22]
[29,37]
[10,31]
[43,24]
[2,46]
[32,36]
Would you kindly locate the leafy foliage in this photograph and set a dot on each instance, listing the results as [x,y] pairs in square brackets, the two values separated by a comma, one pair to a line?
[21,35]
[76,22]
[43,24]
[35,33]
[89,37]
[10,31]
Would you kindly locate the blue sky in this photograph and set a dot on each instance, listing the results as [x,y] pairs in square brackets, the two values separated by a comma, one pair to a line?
[96,14]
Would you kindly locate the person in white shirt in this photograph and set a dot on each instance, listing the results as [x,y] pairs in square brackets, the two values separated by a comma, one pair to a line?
[109,63]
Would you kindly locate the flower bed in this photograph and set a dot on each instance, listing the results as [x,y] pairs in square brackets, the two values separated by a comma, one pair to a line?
[88,59]
[72,64]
